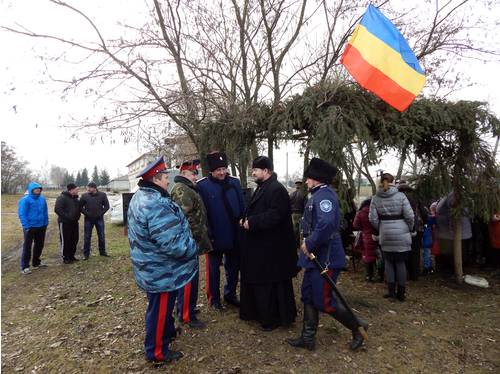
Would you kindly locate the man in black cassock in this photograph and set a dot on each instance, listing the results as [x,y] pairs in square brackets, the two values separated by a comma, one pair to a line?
[269,256]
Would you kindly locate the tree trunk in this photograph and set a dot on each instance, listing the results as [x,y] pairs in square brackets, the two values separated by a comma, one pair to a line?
[270,145]
[457,250]
[306,157]
[401,162]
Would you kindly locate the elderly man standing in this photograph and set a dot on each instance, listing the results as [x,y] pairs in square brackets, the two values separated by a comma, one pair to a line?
[94,205]
[34,218]
[185,194]
[392,217]
[163,254]
[269,254]
[223,199]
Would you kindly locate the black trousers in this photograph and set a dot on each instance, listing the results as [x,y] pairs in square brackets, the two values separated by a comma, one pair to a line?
[68,236]
[36,235]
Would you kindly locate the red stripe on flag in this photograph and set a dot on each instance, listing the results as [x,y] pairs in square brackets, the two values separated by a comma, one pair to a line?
[374,80]
[185,304]
[207,279]
[327,295]
[160,326]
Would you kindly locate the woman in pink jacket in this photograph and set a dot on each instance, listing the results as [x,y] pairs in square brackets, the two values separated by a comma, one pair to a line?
[369,246]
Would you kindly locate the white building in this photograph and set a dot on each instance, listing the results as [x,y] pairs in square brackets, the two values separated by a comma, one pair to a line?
[119,184]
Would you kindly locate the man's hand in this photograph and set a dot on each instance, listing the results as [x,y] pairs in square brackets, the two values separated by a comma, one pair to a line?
[246,226]
[303,248]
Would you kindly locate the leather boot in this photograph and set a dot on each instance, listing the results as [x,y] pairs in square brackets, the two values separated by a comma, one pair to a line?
[347,319]
[401,293]
[309,328]
[391,291]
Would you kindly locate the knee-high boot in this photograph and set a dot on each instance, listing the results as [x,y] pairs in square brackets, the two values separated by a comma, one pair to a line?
[347,319]
[309,328]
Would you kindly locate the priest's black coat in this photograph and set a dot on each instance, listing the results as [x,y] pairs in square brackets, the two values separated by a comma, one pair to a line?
[269,252]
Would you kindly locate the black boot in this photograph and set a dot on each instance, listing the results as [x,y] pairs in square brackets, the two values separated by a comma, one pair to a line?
[401,293]
[347,319]
[369,272]
[391,291]
[309,327]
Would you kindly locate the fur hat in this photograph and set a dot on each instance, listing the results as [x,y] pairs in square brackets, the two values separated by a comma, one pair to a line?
[92,185]
[263,162]
[71,186]
[216,160]
[320,170]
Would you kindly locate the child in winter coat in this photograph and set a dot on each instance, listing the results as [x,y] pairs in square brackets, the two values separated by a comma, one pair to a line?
[368,246]
[427,240]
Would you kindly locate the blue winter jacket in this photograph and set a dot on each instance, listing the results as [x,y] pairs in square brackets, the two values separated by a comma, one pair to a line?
[320,225]
[162,249]
[32,209]
[427,235]
[222,226]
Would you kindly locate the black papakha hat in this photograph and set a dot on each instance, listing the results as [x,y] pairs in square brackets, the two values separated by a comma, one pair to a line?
[263,162]
[320,170]
[92,185]
[71,186]
[216,160]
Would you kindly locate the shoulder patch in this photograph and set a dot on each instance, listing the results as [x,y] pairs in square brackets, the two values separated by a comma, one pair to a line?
[325,206]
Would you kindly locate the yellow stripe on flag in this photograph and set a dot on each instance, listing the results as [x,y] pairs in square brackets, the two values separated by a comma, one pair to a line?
[387,60]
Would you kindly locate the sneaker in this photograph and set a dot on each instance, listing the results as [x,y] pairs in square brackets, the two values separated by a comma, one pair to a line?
[26,271]
[40,265]
[85,258]
[104,254]
[169,357]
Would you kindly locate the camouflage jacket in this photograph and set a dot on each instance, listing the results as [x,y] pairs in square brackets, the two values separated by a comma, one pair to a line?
[162,249]
[185,194]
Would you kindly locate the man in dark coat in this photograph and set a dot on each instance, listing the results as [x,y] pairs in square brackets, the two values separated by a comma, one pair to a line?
[321,225]
[223,199]
[94,205]
[269,256]
[67,209]
[297,202]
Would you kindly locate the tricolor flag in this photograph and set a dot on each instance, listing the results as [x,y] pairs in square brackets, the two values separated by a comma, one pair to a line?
[379,58]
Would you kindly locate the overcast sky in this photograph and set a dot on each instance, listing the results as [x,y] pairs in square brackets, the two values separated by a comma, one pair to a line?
[32,112]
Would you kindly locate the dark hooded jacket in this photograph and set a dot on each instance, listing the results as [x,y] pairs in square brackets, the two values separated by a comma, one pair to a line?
[67,208]
[94,205]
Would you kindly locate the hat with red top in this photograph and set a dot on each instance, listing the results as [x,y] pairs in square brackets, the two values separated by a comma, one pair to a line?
[191,165]
[153,168]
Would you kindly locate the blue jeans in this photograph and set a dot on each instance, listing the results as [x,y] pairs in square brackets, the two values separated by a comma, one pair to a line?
[87,234]
[427,258]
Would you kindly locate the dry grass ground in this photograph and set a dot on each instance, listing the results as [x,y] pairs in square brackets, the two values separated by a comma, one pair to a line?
[88,317]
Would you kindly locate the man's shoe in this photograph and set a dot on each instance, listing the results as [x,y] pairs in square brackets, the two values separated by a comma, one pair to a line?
[197,324]
[104,254]
[169,357]
[40,265]
[85,258]
[67,261]
[391,291]
[217,306]
[26,271]
[233,301]
[300,342]
[401,293]
[74,259]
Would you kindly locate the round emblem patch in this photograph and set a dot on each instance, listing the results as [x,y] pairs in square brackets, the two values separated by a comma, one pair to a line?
[325,206]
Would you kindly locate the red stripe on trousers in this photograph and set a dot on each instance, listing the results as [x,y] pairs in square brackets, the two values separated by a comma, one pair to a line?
[327,295]
[375,81]
[160,326]
[185,304]
[207,278]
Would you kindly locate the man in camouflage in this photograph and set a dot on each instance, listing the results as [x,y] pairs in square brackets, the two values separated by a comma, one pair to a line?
[163,254]
[185,194]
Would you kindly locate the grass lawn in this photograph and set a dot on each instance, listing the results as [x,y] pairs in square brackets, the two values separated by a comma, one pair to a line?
[88,317]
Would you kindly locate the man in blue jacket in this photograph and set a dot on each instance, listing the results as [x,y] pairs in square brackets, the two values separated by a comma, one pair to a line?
[223,199]
[34,217]
[320,226]
[163,254]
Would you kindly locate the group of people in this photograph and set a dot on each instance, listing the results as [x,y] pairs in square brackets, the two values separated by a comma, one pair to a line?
[396,230]
[33,214]
[254,241]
